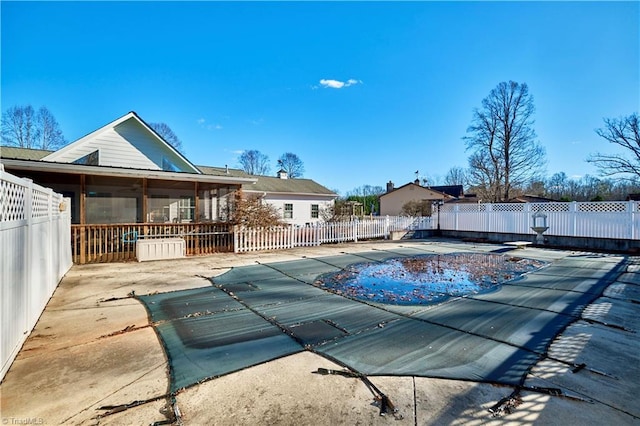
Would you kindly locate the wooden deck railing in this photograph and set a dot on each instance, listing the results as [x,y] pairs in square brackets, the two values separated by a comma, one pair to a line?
[116,243]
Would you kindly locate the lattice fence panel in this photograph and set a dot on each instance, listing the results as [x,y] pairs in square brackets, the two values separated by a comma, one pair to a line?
[550,207]
[12,198]
[603,207]
[40,203]
[465,207]
[510,207]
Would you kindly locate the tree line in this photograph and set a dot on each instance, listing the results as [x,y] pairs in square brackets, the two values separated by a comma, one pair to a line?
[505,160]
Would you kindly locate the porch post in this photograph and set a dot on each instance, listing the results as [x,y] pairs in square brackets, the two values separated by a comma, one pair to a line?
[196,219]
[145,204]
[196,210]
[83,231]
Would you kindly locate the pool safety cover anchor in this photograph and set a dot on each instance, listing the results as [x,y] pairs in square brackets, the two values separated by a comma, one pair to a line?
[386,406]
[508,404]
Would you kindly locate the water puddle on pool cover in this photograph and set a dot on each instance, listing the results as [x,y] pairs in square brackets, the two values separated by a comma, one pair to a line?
[426,279]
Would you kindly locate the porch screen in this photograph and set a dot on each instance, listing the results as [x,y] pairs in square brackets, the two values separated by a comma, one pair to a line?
[102,207]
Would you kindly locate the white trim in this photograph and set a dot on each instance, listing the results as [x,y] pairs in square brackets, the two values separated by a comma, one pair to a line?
[77,169]
[310,194]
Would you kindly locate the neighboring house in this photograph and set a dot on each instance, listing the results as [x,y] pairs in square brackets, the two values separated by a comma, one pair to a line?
[530,199]
[125,172]
[300,201]
[394,199]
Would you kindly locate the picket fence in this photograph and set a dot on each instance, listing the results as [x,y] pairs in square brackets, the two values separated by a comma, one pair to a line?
[35,245]
[285,237]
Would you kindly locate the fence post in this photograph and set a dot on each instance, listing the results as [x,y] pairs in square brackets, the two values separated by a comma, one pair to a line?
[573,209]
[386,227]
[291,236]
[355,230]
[50,229]
[632,210]
[487,214]
[28,258]
[235,238]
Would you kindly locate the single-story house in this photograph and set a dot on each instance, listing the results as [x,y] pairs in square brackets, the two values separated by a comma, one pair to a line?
[392,201]
[125,182]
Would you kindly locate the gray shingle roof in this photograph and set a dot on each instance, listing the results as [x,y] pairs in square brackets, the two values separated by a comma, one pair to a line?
[16,153]
[271,183]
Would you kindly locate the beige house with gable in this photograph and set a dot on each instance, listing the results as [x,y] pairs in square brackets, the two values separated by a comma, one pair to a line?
[394,199]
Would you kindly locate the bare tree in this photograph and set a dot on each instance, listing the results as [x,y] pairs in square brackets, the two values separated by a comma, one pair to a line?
[254,162]
[291,164]
[417,208]
[49,133]
[624,132]
[456,176]
[253,213]
[505,154]
[167,134]
[23,127]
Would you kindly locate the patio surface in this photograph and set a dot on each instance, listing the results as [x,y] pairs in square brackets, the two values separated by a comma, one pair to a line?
[97,357]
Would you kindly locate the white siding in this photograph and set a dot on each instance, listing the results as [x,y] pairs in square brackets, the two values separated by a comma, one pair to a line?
[147,144]
[125,143]
[301,206]
[115,151]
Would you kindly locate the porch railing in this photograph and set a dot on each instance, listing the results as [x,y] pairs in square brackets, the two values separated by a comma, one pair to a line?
[116,242]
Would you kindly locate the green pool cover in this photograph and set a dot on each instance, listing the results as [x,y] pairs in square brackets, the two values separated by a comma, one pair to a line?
[254,314]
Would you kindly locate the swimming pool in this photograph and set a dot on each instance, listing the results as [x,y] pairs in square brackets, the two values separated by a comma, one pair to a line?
[426,279]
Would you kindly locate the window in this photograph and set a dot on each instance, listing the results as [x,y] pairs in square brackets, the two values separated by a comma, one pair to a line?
[168,166]
[315,211]
[92,159]
[288,211]
[176,209]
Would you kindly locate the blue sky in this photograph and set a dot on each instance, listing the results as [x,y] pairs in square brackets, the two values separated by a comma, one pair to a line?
[362,92]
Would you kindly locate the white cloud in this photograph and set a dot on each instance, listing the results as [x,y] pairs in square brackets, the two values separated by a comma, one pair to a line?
[203,123]
[337,84]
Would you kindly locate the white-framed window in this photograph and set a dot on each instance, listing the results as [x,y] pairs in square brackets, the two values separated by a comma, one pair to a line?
[288,211]
[315,211]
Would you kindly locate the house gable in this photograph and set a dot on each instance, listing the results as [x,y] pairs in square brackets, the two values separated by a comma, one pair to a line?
[391,203]
[127,142]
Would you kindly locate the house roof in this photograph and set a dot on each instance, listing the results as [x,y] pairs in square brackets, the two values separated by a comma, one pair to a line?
[453,190]
[23,153]
[64,161]
[425,189]
[81,169]
[128,140]
[530,199]
[271,184]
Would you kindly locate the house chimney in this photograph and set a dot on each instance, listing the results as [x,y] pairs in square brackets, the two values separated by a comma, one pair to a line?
[282,174]
[389,186]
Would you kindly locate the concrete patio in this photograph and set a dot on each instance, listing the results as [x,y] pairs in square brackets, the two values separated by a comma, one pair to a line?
[94,358]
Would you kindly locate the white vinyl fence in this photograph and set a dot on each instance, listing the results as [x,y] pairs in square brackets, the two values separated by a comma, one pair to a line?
[284,237]
[604,219]
[35,244]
